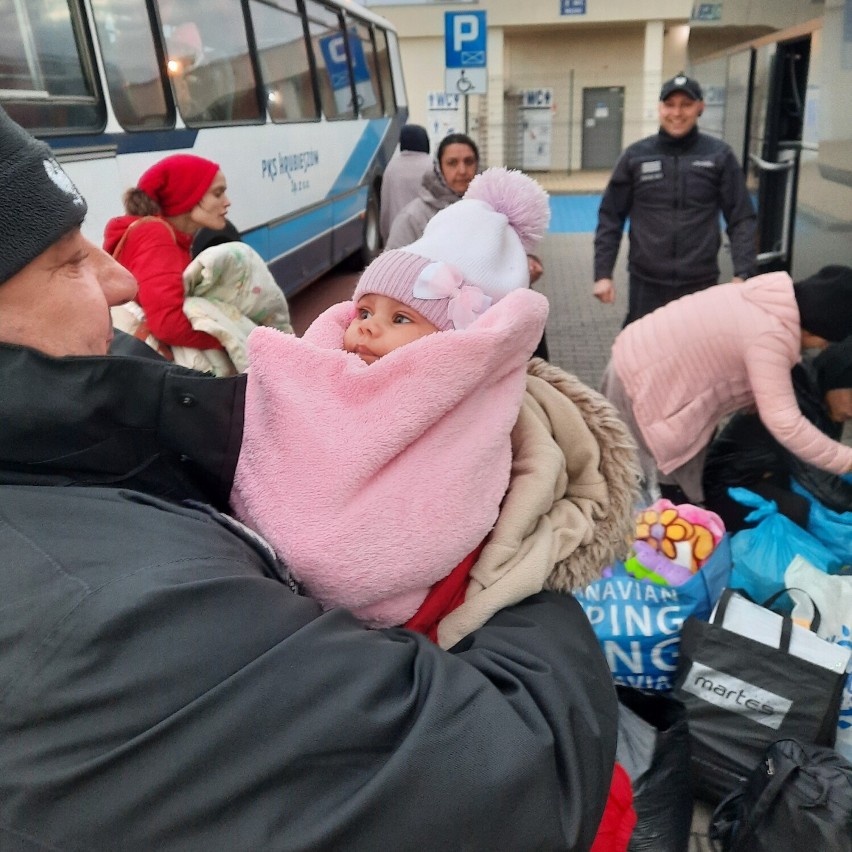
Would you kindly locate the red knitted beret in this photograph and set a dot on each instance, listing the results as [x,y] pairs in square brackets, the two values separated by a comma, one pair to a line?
[178,183]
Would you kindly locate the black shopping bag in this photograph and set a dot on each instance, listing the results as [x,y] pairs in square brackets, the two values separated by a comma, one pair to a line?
[653,748]
[798,797]
[741,695]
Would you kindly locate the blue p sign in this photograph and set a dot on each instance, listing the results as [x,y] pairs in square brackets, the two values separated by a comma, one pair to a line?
[465,37]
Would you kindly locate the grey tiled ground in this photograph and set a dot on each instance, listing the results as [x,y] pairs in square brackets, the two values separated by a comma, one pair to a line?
[580,329]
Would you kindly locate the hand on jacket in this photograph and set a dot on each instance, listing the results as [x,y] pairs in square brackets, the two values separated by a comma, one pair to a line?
[605,290]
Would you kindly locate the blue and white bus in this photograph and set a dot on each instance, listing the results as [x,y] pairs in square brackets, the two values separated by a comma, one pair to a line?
[299,101]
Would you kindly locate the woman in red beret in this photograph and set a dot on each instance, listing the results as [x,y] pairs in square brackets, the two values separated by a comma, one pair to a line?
[172,201]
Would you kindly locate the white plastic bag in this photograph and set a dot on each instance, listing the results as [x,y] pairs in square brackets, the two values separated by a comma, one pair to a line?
[832,594]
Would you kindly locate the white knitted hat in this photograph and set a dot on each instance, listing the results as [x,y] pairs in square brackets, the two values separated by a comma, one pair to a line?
[471,254]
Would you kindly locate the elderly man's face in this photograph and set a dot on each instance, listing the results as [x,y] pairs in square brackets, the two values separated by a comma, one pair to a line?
[59,303]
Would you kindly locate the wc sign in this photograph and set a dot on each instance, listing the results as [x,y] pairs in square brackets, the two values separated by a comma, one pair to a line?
[465,51]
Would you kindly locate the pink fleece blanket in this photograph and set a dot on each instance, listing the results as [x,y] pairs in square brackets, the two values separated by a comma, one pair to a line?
[374,481]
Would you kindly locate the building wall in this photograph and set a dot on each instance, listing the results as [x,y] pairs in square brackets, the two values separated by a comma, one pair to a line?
[570,61]
[616,43]
[532,46]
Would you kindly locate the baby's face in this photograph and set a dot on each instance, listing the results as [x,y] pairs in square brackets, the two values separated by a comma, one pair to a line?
[382,324]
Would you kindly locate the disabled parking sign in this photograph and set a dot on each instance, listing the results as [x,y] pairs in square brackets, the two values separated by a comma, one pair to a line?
[465,52]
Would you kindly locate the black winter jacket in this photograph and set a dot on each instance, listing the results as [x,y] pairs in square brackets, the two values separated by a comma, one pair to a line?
[745,454]
[162,689]
[673,190]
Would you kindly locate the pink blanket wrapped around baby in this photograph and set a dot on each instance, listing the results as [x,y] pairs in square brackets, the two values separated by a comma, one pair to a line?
[374,481]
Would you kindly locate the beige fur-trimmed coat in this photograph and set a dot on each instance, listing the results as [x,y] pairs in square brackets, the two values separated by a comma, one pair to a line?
[568,512]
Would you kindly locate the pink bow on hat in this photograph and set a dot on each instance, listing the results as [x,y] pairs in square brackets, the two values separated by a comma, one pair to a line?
[441,280]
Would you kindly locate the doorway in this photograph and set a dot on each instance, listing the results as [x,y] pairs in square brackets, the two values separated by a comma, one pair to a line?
[603,122]
[779,95]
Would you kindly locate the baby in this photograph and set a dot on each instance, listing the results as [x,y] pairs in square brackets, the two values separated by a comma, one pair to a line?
[377,448]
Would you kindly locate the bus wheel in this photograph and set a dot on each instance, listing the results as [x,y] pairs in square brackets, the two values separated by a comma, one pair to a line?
[371,242]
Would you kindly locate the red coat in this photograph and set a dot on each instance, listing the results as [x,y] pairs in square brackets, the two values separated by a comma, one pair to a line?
[157,255]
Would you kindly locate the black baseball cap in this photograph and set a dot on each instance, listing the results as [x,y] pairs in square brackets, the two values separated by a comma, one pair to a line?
[682,83]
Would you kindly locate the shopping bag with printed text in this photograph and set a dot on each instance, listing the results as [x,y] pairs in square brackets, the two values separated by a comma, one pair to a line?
[638,623]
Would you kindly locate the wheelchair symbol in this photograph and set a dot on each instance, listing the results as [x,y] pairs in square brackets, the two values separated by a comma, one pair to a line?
[463,84]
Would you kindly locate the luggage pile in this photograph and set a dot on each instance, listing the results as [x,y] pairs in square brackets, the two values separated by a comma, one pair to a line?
[731,656]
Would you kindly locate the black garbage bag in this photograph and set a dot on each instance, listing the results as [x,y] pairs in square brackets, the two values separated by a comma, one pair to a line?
[653,747]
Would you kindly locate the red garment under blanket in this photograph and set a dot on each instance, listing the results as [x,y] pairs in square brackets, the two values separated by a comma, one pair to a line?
[443,597]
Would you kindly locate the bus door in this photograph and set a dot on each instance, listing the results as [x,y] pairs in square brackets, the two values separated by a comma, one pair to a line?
[778,98]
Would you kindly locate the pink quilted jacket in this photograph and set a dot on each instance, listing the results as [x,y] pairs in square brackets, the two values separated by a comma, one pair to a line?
[691,362]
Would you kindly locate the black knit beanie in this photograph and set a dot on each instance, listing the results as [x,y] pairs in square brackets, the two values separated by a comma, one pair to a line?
[834,366]
[825,302]
[40,204]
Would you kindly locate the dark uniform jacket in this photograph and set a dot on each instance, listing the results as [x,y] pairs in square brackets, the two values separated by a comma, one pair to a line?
[673,191]
[163,689]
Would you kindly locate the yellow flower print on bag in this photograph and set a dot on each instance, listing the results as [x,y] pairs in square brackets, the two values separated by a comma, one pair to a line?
[664,526]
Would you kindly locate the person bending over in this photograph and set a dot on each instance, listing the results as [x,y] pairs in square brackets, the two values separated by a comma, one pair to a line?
[675,373]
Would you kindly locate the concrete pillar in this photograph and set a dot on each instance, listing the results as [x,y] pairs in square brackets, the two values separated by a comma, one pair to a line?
[495,113]
[652,74]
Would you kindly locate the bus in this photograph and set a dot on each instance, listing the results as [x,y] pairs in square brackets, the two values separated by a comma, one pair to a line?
[781,102]
[299,101]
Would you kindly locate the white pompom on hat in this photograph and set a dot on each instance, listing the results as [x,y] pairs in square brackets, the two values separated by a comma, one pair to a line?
[471,254]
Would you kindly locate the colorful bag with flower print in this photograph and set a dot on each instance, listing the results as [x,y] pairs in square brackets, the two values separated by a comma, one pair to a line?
[638,622]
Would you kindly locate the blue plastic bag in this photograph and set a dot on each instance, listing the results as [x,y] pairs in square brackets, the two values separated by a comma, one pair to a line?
[762,554]
[833,529]
[638,622]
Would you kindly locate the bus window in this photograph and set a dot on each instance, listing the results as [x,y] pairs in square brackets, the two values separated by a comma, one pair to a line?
[385,74]
[46,79]
[133,70]
[284,62]
[208,61]
[364,69]
[332,65]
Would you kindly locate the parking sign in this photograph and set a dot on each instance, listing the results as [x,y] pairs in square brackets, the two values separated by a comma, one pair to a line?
[465,38]
[337,66]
